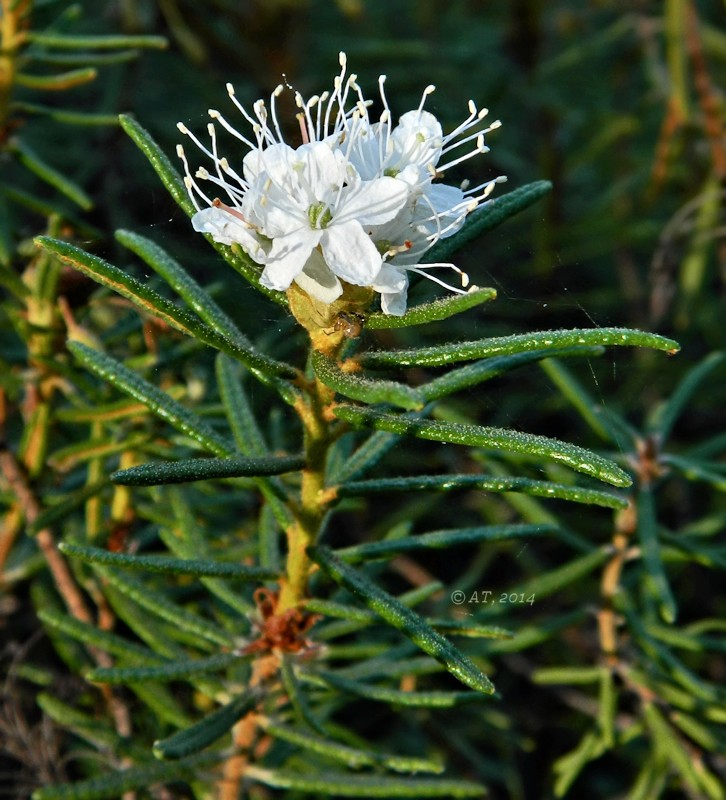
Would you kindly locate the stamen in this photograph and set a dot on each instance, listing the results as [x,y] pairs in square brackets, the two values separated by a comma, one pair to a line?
[303,128]
[217,203]
[426,92]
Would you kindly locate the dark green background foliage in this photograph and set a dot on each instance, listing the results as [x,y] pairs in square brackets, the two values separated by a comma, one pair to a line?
[620,106]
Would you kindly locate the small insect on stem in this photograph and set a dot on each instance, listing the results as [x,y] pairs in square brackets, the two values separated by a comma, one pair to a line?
[349,324]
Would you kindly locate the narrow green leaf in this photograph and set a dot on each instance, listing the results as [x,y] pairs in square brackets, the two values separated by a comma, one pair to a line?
[84,59]
[489,216]
[99,734]
[161,701]
[59,511]
[441,355]
[65,116]
[471,630]
[577,458]
[696,471]
[386,694]
[174,184]
[158,402]
[57,82]
[656,580]
[104,640]
[569,766]
[556,579]
[567,676]
[163,167]
[346,785]
[352,756]
[399,616]
[153,303]
[488,368]
[156,473]
[676,404]
[296,696]
[486,483]
[167,565]
[358,387]
[438,539]
[32,161]
[366,456]
[246,431]
[185,539]
[573,391]
[184,285]
[608,697]
[113,785]
[62,42]
[206,731]
[161,606]
[164,672]
[672,747]
[247,434]
[431,312]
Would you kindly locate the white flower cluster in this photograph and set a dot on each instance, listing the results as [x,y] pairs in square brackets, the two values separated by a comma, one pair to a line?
[358,201]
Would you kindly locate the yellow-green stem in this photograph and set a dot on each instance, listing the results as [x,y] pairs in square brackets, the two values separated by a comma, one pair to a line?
[10,40]
[309,514]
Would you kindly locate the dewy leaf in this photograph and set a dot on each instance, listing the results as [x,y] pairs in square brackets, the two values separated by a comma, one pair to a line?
[330,783]
[104,640]
[115,784]
[404,619]
[573,456]
[153,303]
[156,603]
[431,312]
[489,216]
[157,473]
[154,399]
[487,368]
[485,483]
[174,184]
[386,694]
[438,539]
[352,756]
[206,731]
[172,671]
[167,565]
[671,410]
[358,387]
[441,355]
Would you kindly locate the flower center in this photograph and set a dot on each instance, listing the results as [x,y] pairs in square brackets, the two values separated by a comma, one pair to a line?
[319,215]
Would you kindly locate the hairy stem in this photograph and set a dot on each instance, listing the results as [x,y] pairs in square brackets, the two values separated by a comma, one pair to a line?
[311,510]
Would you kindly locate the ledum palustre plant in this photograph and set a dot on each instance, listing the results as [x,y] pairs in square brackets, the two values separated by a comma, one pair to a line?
[253,619]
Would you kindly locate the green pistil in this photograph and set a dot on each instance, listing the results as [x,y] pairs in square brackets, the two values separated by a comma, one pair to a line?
[391,172]
[319,215]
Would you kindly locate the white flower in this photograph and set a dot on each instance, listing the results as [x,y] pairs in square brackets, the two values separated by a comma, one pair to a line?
[356,201]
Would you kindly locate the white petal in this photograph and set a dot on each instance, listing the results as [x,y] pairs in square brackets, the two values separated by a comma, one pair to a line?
[318,281]
[350,253]
[287,258]
[394,303]
[323,171]
[390,279]
[372,202]
[228,229]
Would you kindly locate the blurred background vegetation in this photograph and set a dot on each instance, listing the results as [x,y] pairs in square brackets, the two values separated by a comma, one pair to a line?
[620,104]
